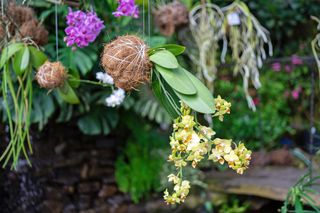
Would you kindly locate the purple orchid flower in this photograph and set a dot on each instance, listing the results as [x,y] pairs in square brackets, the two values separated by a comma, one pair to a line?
[83,28]
[127,8]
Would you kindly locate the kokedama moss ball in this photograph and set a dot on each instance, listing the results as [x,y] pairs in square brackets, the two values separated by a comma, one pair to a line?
[22,23]
[19,14]
[170,16]
[127,61]
[51,75]
[35,31]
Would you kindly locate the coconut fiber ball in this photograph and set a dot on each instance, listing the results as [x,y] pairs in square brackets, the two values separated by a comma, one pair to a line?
[35,31]
[51,75]
[127,61]
[19,14]
[171,16]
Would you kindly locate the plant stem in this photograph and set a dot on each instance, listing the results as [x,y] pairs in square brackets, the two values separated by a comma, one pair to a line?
[90,82]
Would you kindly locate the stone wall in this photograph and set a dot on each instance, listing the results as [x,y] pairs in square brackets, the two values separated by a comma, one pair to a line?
[70,173]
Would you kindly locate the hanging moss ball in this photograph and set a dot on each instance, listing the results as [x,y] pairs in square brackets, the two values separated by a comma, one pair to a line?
[170,16]
[20,14]
[127,61]
[51,75]
[35,31]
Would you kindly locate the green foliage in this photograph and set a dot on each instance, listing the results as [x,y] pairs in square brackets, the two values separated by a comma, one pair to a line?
[165,95]
[164,58]
[16,64]
[138,168]
[68,94]
[177,79]
[173,48]
[202,101]
[301,193]
[181,82]
[234,207]
[150,108]
[98,121]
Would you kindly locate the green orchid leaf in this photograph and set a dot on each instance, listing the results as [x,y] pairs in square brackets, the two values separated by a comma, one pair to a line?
[8,52]
[173,48]
[74,78]
[17,62]
[165,59]
[25,59]
[161,94]
[68,94]
[37,57]
[178,80]
[202,101]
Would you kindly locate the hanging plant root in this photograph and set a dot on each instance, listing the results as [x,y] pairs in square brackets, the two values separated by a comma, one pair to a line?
[51,75]
[127,61]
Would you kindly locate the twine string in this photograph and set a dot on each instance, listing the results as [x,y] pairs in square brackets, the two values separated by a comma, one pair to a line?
[149,19]
[143,19]
[56,28]
[312,127]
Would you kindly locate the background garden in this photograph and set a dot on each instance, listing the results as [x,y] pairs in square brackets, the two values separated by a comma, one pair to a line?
[96,148]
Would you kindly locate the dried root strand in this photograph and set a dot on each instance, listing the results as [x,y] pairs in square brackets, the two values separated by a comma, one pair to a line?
[127,61]
[51,75]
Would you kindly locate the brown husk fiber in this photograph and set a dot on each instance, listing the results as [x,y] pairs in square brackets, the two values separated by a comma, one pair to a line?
[19,14]
[170,16]
[21,23]
[35,31]
[127,61]
[51,75]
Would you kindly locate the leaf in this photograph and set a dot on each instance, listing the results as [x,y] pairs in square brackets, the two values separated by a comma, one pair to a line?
[37,57]
[68,94]
[89,125]
[159,93]
[8,52]
[202,101]
[173,48]
[178,80]
[74,78]
[82,61]
[25,59]
[165,59]
[98,121]
[17,62]
[157,40]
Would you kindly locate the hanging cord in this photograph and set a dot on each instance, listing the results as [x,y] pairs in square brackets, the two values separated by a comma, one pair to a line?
[143,19]
[2,14]
[312,127]
[149,21]
[57,37]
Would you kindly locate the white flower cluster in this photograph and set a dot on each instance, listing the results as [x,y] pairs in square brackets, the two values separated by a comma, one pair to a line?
[116,98]
[104,78]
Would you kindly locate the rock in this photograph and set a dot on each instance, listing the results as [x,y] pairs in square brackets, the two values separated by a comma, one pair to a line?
[70,208]
[107,191]
[260,158]
[60,148]
[281,157]
[84,202]
[84,171]
[51,206]
[88,187]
